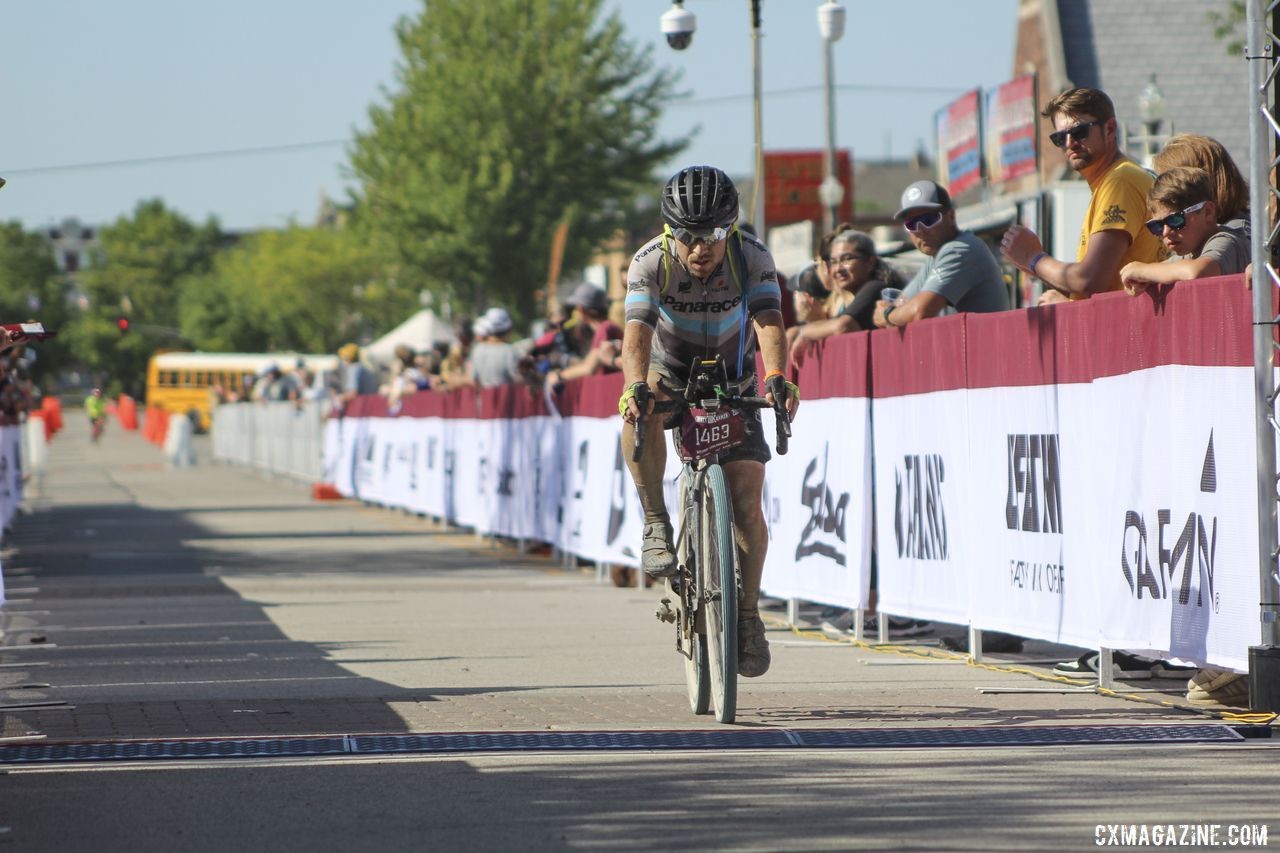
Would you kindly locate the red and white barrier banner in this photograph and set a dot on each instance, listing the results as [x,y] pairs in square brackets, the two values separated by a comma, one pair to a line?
[599,511]
[923,489]
[1172,474]
[1022,377]
[1082,473]
[817,497]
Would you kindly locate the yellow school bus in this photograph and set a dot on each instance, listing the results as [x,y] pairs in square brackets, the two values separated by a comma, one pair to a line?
[182,382]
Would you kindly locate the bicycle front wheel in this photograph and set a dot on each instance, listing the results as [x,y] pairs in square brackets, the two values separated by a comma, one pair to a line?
[718,568]
[697,673]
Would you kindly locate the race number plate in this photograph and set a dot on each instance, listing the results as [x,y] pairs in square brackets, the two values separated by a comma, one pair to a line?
[703,434]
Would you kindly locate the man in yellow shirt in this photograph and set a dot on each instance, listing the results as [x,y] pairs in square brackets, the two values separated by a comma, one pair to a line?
[1114,231]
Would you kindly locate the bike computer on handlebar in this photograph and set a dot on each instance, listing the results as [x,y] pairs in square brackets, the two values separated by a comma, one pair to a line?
[712,420]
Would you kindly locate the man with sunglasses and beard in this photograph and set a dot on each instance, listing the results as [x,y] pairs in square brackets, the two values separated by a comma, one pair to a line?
[698,290]
[1114,232]
[960,274]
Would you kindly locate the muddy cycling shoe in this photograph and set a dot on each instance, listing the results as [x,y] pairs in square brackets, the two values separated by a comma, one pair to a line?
[753,648]
[657,554]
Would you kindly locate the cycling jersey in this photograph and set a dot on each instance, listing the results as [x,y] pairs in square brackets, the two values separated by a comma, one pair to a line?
[96,407]
[696,319]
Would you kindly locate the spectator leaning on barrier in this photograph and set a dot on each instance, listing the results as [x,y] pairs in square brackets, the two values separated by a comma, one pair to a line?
[1113,233]
[453,367]
[1230,191]
[406,377]
[857,275]
[591,308]
[493,361]
[809,296]
[960,274]
[1185,216]
[356,379]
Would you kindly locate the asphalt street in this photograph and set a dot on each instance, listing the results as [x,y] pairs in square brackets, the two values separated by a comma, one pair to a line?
[147,604]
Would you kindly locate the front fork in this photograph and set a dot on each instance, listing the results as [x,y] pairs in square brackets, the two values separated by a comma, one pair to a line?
[680,604]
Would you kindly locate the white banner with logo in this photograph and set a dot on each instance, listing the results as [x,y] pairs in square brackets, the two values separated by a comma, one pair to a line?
[1174,509]
[1022,582]
[816,502]
[923,504]
[602,516]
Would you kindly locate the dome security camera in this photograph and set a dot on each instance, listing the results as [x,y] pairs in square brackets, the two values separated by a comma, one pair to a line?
[678,25]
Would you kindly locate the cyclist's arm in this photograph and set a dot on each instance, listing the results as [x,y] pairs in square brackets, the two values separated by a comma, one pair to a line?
[772,337]
[637,345]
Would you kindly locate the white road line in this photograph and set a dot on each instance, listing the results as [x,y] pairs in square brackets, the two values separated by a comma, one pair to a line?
[148,627]
[211,681]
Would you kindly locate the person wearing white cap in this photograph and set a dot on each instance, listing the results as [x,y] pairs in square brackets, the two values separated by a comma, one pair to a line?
[493,361]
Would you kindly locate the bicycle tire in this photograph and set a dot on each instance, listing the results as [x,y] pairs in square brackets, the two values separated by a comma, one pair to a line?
[697,673]
[717,567]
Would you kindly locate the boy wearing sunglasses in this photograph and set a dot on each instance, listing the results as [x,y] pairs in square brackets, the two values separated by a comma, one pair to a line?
[960,274]
[1113,232]
[1185,217]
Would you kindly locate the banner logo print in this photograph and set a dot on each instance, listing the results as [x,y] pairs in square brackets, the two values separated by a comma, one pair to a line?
[920,517]
[506,481]
[826,515]
[1034,502]
[617,496]
[1193,552]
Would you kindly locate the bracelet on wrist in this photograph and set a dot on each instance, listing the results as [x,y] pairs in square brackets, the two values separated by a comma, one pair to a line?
[1037,258]
[888,309]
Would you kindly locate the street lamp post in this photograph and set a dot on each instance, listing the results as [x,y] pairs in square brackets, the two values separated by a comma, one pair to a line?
[678,25]
[831,191]
[1151,111]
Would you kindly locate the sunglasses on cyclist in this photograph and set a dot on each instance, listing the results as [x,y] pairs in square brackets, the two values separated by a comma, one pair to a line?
[1059,138]
[923,222]
[1175,221]
[697,236]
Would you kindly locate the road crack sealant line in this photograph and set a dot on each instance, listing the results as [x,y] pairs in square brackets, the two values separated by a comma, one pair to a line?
[1226,715]
[640,741]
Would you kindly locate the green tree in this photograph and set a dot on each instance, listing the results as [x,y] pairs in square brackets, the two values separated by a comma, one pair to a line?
[508,117]
[138,271]
[32,288]
[303,289]
[1228,25]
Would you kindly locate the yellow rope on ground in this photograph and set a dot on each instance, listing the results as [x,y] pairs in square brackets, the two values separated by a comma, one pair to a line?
[1234,716]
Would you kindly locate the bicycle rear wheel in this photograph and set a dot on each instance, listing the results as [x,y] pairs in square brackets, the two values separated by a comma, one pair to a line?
[718,573]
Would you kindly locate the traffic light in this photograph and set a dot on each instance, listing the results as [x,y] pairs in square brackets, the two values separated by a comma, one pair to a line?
[123,325]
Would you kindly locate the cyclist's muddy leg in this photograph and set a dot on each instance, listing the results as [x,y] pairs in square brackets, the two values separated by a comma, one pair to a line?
[746,483]
[647,473]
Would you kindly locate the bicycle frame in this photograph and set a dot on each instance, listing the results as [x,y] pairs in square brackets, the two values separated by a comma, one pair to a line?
[708,579]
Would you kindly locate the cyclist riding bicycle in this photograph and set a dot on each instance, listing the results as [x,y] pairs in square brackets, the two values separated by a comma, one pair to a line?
[96,408]
[699,289]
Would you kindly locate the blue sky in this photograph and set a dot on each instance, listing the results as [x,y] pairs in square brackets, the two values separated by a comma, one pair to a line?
[86,82]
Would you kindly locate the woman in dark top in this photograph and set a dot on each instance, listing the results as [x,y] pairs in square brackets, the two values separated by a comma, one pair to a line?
[856,275]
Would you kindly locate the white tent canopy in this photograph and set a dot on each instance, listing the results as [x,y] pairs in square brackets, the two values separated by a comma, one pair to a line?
[421,332]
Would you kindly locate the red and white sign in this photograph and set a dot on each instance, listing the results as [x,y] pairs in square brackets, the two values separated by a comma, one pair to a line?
[1011,124]
[959,132]
[791,181]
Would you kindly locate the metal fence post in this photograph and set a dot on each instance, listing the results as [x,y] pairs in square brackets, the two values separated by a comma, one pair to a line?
[1264,659]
